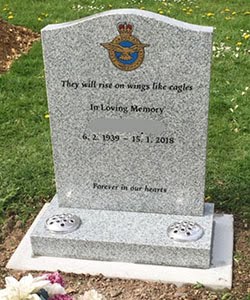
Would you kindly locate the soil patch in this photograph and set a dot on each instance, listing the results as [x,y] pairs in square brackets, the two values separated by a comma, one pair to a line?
[15,40]
[135,289]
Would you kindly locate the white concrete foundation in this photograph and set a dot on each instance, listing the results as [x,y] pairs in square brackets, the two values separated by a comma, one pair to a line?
[218,276]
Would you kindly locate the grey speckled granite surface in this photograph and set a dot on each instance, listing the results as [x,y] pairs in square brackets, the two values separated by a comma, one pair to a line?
[157,164]
[124,236]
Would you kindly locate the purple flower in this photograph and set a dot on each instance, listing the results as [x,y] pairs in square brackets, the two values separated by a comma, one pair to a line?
[55,278]
[61,297]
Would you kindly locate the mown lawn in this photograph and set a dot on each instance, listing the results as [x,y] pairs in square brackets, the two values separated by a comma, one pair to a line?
[26,169]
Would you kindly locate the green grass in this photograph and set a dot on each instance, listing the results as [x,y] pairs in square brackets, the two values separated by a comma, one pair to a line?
[26,170]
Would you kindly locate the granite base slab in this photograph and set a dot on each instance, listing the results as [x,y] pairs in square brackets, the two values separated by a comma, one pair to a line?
[218,276]
[124,237]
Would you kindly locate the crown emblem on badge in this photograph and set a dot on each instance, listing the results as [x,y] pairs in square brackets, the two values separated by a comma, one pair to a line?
[125,28]
[126,52]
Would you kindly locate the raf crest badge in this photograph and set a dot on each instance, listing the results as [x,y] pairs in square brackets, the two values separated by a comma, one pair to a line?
[125,51]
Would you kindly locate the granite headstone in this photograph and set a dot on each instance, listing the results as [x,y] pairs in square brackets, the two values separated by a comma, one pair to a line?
[128,94]
[129,138]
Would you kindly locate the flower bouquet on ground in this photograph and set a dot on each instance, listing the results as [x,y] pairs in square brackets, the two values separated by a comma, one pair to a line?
[46,287]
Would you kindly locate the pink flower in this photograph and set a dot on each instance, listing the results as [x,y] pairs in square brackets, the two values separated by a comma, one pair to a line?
[55,278]
[61,297]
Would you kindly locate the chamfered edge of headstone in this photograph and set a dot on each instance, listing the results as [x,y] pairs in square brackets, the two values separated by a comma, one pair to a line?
[138,12]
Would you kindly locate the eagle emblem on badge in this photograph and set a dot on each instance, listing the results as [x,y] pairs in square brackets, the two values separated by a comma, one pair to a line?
[125,51]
